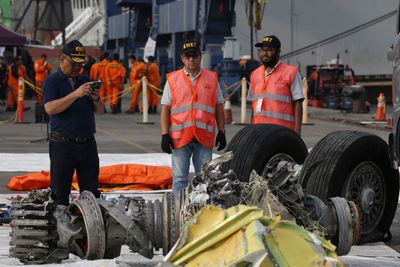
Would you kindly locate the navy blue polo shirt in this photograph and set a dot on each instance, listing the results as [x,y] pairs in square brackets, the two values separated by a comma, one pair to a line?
[78,119]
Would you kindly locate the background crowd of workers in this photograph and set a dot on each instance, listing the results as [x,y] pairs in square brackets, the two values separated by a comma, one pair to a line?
[109,71]
[112,74]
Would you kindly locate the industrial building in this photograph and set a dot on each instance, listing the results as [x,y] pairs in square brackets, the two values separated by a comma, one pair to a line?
[124,26]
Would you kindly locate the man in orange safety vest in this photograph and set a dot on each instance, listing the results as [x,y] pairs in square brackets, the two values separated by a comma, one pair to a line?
[275,88]
[191,113]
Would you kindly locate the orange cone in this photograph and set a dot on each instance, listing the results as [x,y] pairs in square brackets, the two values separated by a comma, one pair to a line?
[380,114]
[228,112]
[20,105]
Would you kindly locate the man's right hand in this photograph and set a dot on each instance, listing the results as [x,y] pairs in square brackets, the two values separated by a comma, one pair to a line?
[166,143]
[84,89]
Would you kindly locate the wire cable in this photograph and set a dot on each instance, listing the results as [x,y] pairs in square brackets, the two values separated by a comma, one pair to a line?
[339,35]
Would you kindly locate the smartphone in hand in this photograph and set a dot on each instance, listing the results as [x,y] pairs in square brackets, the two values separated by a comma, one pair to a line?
[95,85]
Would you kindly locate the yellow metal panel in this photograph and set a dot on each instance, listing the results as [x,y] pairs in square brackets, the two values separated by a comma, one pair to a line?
[244,246]
[207,232]
[242,236]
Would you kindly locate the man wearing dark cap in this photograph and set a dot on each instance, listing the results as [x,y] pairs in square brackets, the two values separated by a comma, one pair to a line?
[276,90]
[70,101]
[191,113]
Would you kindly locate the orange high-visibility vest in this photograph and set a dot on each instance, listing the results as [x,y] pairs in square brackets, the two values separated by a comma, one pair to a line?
[277,105]
[193,108]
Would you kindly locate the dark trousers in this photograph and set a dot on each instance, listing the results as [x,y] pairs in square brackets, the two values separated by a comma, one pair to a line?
[65,158]
[3,91]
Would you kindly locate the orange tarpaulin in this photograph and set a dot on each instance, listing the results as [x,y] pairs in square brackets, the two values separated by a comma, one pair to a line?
[114,177]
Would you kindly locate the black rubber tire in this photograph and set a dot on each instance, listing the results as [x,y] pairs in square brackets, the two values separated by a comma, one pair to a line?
[332,160]
[112,252]
[254,145]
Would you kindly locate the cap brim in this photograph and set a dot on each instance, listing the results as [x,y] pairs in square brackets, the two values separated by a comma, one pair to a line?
[78,59]
[264,44]
[191,50]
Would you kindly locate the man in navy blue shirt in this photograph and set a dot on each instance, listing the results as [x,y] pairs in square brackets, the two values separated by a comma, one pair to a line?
[70,100]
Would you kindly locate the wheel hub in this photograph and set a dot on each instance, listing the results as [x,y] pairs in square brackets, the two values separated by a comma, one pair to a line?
[367,199]
[366,187]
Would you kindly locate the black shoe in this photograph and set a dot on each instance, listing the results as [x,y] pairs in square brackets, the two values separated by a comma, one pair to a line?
[114,110]
[10,109]
[129,112]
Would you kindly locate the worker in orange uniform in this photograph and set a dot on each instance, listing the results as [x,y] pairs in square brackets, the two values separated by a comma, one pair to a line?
[115,76]
[275,88]
[137,73]
[134,84]
[42,69]
[153,77]
[15,71]
[94,71]
[104,89]
[192,111]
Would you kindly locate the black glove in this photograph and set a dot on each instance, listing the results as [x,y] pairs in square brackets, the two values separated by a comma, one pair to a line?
[166,143]
[220,140]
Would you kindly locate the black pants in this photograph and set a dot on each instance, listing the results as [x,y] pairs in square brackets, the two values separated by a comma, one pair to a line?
[65,158]
[3,92]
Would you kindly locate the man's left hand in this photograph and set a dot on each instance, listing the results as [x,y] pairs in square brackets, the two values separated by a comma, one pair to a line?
[220,140]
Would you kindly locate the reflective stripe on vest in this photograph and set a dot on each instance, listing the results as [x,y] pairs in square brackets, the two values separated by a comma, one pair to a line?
[282,98]
[196,106]
[277,115]
[193,108]
[200,125]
